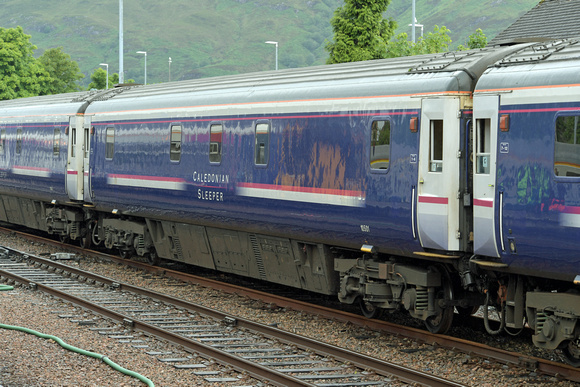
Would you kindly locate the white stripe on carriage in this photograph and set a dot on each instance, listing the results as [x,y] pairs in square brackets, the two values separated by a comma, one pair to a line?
[147,183]
[306,197]
[36,172]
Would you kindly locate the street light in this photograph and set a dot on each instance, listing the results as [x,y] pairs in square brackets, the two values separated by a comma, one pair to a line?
[414,25]
[107,66]
[276,44]
[121,70]
[169,69]
[145,53]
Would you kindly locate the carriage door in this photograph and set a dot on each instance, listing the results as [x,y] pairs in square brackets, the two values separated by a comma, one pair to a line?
[74,167]
[485,116]
[87,172]
[439,166]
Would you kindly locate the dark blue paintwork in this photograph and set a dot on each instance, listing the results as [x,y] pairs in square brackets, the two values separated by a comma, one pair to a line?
[533,196]
[310,149]
[36,172]
[299,146]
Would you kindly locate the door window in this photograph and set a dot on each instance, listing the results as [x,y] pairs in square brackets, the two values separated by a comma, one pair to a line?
[482,146]
[86,143]
[436,146]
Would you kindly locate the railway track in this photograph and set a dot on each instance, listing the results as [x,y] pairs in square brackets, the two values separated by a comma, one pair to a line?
[265,353]
[511,359]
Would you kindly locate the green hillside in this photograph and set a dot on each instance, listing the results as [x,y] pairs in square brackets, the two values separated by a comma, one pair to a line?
[216,37]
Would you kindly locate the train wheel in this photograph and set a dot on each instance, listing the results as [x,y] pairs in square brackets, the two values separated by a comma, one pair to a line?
[368,309]
[63,238]
[86,241]
[441,322]
[152,257]
[571,352]
[126,254]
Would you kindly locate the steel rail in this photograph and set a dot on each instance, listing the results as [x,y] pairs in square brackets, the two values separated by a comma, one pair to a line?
[378,366]
[544,366]
[528,362]
[241,365]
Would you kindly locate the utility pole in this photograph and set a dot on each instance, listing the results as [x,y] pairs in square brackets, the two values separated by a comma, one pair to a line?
[413,32]
[121,71]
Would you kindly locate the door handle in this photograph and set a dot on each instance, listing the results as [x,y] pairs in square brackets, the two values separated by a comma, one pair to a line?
[413,212]
[501,221]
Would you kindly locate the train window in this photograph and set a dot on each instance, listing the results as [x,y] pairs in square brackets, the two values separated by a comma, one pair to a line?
[262,143]
[215,143]
[87,142]
[73,142]
[175,147]
[380,144]
[56,142]
[110,143]
[2,141]
[436,146]
[567,147]
[482,146]
[18,141]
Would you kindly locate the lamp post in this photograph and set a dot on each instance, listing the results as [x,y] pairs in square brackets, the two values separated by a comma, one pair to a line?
[144,53]
[169,69]
[107,66]
[415,25]
[414,21]
[121,70]
[276,44]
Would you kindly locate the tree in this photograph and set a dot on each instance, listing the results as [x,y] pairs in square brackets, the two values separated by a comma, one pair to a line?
[99,79]
[360,32]
[436,41]
[475,40]
[21,75]
[64,72]
[400,46]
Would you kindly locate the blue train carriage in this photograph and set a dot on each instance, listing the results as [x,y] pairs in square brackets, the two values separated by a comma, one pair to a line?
[285,176]
[423,276]
[527,190]
[40,164]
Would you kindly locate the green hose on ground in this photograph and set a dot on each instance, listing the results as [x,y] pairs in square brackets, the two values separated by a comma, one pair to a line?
[75,349]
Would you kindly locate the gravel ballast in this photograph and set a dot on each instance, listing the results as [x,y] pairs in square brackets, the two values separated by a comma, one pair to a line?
[26,360]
